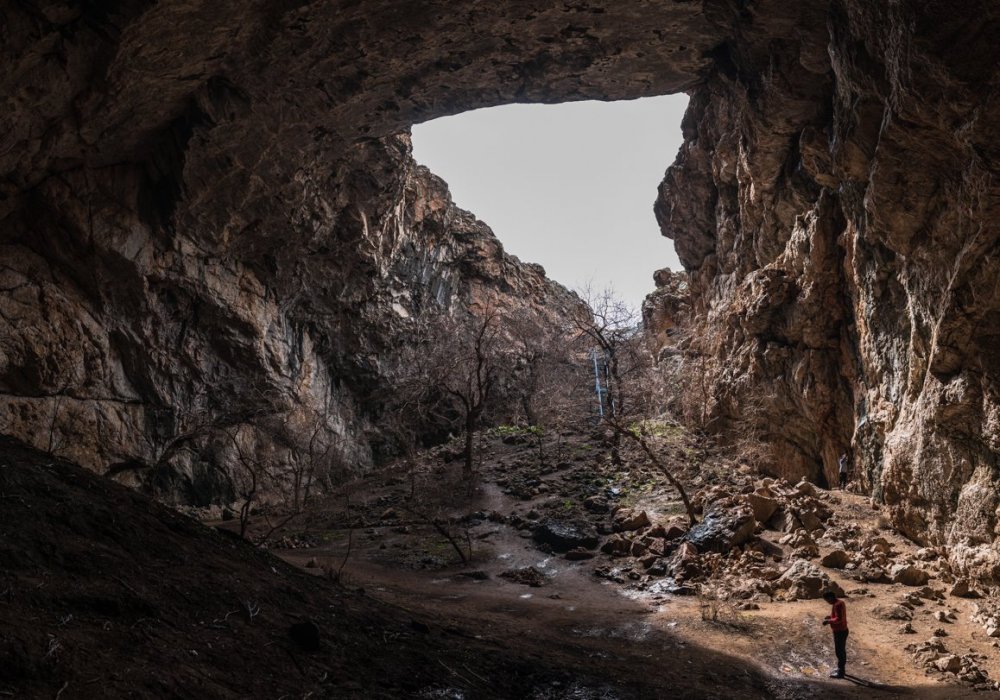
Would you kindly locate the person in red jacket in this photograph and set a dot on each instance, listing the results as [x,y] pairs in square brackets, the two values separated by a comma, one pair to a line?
[837,619]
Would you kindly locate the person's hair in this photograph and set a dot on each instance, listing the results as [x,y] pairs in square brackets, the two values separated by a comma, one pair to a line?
[829,595]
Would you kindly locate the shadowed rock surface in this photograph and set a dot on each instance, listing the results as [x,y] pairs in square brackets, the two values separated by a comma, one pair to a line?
[209,212]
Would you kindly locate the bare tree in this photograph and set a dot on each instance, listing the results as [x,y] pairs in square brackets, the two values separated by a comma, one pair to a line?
[453,373]
[550,382]
[631,380]
[313,453]
[248,473]
[609,326]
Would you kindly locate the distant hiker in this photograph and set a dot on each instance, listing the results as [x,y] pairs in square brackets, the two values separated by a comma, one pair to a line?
[843,471]
[837,620]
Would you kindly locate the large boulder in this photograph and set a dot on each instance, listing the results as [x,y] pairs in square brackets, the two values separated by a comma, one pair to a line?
[805,581]
[617,546]
[805,488]
[950,663]
[837,559]
[627,520]
[810,520]
[909,575]
[721,530]
[685,564]
[763,507]
[563,536]
[891,612]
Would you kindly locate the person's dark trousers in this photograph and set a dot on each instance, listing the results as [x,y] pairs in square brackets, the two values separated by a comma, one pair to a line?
[840,647]
[843,481]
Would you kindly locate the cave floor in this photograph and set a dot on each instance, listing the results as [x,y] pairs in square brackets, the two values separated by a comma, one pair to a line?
[632,636]
[105,594]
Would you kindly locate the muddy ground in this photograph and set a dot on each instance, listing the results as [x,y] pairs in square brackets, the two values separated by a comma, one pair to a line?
[105,594]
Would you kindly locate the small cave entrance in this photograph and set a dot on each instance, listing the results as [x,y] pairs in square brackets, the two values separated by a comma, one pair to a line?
[570,186]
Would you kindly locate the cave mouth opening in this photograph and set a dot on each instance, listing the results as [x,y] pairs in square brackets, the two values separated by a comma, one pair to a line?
[570,186]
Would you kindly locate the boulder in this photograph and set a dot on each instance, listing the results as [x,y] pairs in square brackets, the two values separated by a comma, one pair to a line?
[649,560]
[685,563]
[787,522]
[805,488]
[962,589]
[908,575]
[878,544]
[721,530]
[810,520]
[950,663]
[870,573]
[837,559]
[627,520]
[596,504]
[930,594]
[805,581]
[673,531]
[763,507]
[564,536]
[579,554]
[617,546]
[891,612]
[638,549]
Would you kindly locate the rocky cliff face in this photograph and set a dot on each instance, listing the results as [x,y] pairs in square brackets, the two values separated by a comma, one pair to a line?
[134,350]
[836,203]
[205,211]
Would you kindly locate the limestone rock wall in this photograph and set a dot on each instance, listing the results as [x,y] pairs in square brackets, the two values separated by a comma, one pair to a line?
[133,350]
[836,205]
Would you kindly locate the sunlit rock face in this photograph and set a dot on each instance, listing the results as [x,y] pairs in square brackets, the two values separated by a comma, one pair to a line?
[836,204]
[207,211]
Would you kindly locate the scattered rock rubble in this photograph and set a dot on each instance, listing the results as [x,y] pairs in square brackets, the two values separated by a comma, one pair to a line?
[726,547]
[936,659]
[987,614]
[731,552]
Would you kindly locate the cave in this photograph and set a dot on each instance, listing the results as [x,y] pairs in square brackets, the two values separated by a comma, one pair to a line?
[211,208]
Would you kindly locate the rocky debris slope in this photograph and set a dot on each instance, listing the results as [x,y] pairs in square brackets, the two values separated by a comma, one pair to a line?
[935,657]
[603,526]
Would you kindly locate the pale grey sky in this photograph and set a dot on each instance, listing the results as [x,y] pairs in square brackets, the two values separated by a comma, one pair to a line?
[570,186]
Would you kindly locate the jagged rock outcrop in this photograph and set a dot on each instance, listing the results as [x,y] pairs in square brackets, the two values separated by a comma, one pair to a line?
[201,201]
[665,311]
